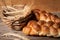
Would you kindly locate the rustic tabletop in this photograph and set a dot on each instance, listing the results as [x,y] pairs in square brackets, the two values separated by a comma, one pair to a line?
[4,29]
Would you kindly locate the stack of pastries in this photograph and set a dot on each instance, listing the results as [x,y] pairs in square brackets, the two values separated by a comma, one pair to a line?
[47,24]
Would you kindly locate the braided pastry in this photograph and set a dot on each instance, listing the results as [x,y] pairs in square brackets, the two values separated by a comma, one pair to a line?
[47,24]
[43,15]
[42,28]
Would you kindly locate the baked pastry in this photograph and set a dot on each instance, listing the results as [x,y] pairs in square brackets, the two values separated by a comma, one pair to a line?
[47,24]
[34,28]
[43,15]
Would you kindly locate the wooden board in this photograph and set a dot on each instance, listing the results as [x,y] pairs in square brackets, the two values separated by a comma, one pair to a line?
[49,5]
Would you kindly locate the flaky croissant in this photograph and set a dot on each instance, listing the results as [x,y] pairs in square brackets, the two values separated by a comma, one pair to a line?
[42,29]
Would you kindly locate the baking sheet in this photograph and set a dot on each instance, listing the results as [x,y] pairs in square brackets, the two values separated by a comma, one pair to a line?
[4,29]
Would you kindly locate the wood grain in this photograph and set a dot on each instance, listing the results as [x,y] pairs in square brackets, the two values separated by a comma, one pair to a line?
[49,5]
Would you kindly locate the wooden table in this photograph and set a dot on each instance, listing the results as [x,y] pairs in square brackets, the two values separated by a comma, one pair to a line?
[5,29]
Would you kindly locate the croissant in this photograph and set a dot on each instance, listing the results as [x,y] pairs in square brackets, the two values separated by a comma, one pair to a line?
[37,28]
